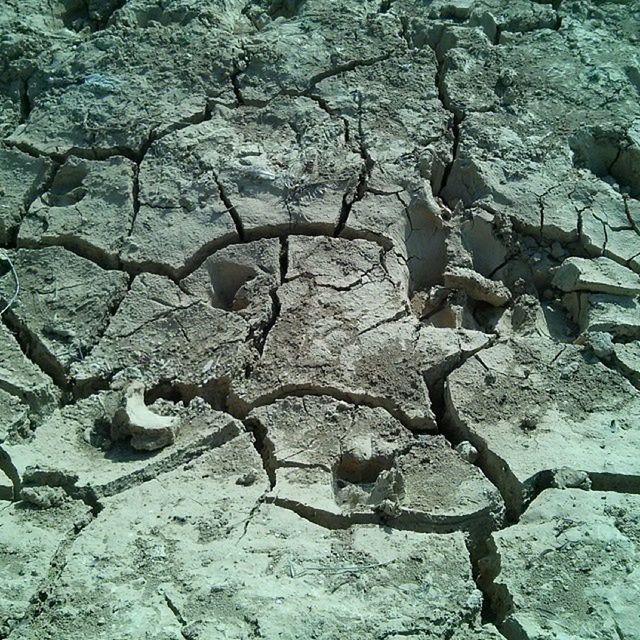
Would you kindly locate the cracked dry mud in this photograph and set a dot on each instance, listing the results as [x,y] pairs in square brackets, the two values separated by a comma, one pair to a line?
[328,319]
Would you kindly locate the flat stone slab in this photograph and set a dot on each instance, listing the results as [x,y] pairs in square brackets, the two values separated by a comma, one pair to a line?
[477,286]
[615,314]
[532,407]
[250,565]
[341,463]
[627,359]
[570,567]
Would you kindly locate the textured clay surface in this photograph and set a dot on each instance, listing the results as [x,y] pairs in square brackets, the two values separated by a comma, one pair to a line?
[319,319]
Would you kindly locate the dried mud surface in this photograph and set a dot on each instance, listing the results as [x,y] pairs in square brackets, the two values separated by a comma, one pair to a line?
[320,319]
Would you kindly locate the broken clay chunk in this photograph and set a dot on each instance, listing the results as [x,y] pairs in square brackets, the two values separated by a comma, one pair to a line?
[148,430]
[477,286]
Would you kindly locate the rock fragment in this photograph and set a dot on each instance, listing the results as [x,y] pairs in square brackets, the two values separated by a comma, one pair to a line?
[627,358]
[43,497]
[467,451]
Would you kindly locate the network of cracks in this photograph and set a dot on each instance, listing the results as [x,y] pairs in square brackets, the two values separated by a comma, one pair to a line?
[304,360]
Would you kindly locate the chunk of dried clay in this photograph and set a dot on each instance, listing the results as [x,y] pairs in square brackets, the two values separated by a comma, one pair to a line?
[148,430]
[477,286]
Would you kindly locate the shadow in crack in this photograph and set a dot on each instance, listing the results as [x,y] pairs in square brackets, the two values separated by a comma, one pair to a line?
[361,481]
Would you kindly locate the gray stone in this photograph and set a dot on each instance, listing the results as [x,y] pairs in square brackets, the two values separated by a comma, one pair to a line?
[148,430]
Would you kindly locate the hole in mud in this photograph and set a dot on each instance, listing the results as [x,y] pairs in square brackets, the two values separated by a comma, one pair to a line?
[79,14]
[67,188]
[228,280]
[426,248]
[163,16]
[611,156]
[285,8]
[76,14]
[368,481]
[214,392]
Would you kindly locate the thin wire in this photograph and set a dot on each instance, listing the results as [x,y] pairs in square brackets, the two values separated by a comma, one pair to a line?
[6,258]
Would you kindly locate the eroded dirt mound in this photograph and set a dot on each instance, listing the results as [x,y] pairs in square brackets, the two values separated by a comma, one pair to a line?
[319,319]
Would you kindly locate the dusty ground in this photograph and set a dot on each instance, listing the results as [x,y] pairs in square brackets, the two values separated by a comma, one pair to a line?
[328,319]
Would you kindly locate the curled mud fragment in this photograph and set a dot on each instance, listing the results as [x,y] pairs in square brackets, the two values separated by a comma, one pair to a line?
[148,430]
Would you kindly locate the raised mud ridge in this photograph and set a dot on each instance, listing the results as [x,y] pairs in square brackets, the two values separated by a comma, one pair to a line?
[319,319]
